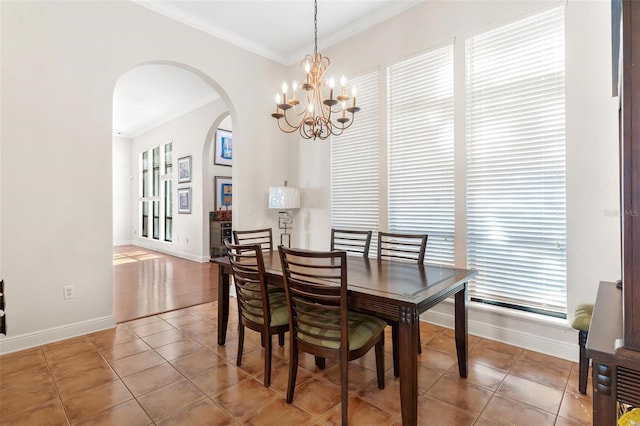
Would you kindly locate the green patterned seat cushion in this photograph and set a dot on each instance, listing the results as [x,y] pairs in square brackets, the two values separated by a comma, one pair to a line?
[279,311]
[361,329]
[253,290]
[582,318]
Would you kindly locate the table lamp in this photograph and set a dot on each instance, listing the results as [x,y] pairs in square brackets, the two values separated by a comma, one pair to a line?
[285,199]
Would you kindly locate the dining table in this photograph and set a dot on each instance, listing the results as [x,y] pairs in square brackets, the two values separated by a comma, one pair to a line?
[390,289]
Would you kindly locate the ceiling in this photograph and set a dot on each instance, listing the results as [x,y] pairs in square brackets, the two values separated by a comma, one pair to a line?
[151,95]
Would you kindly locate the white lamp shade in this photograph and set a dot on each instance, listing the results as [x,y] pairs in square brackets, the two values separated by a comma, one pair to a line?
[284,197]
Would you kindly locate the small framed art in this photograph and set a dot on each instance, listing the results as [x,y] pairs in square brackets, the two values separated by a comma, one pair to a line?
[184,200]
[184,169]
[223,188]
[224,148]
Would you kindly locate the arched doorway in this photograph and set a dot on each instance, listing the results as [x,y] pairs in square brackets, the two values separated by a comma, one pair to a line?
[164,114]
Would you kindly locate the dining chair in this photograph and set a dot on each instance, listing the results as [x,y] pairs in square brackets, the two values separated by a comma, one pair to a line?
[351,241]
[404,247]
[262,237]
[259,309]
[321,324]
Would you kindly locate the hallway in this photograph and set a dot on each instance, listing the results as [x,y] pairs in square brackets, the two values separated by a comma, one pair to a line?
[147,282]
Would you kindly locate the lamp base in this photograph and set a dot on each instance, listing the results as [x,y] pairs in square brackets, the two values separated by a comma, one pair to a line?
[285,220]
[285,239]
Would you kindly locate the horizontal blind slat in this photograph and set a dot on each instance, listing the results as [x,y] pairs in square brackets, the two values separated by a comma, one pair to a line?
[516,207]
[355,165]
[420,151]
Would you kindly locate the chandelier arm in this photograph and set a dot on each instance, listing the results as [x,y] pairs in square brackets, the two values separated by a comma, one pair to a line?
[290,130]
[286,119]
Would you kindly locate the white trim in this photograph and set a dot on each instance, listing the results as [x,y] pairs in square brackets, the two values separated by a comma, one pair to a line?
[211,29]
[49,335]
[393,9]
[537,333]
[161,247]
[122,243]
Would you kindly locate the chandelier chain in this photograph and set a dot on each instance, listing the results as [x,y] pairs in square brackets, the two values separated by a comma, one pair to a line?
[315,25]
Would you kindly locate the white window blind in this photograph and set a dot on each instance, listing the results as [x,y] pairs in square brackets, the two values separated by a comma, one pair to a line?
[421,170]
[355,164]
[516,214]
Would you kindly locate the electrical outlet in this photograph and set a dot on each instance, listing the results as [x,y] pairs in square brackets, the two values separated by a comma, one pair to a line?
[68,292]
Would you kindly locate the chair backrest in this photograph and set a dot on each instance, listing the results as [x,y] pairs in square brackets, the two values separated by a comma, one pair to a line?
[262,237]
[402,246]
[351,241]
[247,267]
[316,290]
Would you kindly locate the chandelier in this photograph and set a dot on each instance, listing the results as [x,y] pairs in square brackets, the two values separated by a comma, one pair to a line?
[321,117]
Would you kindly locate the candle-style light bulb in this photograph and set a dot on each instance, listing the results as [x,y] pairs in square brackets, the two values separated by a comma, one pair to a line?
[331,82]
[284,92]
[294,86]
[278,98]
[353,93]
[343,83]
[307,67]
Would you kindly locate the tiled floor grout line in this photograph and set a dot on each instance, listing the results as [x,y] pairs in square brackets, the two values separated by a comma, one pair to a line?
[442,346]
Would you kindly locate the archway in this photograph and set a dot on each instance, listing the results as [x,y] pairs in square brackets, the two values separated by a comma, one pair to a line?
[164,182]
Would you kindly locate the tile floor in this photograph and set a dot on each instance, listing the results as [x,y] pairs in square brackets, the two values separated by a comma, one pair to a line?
[167,369]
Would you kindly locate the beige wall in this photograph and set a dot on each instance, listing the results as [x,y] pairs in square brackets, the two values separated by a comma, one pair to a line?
[593,241]
[60,63]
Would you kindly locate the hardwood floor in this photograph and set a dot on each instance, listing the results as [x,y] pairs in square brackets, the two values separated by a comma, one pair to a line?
[147,282]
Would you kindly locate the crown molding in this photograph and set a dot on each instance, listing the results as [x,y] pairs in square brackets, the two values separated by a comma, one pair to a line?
[360,25]
[391,10]
[211,29]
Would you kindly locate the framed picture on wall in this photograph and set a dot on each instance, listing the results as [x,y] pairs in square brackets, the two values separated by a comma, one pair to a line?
[184,200]
[223,192]
[224,148]
[184,169]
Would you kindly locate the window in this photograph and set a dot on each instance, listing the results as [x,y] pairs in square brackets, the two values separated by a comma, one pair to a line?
[421,150]
[144,191]
[168,199]
[516,226]
[155,193]
[355,164]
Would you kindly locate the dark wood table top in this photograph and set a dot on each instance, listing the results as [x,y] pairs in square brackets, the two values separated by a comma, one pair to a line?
[404,283]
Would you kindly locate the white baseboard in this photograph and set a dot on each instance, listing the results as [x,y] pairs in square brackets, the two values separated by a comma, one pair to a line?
[529,331]
[171,251]
[122,243]
[50,335]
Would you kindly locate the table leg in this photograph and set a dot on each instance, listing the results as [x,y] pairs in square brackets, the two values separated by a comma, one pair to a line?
[461,331]
[408,329]
[223,305]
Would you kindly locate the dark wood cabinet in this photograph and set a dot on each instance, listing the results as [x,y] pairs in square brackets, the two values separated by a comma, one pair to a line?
[630,173]
[614,335]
